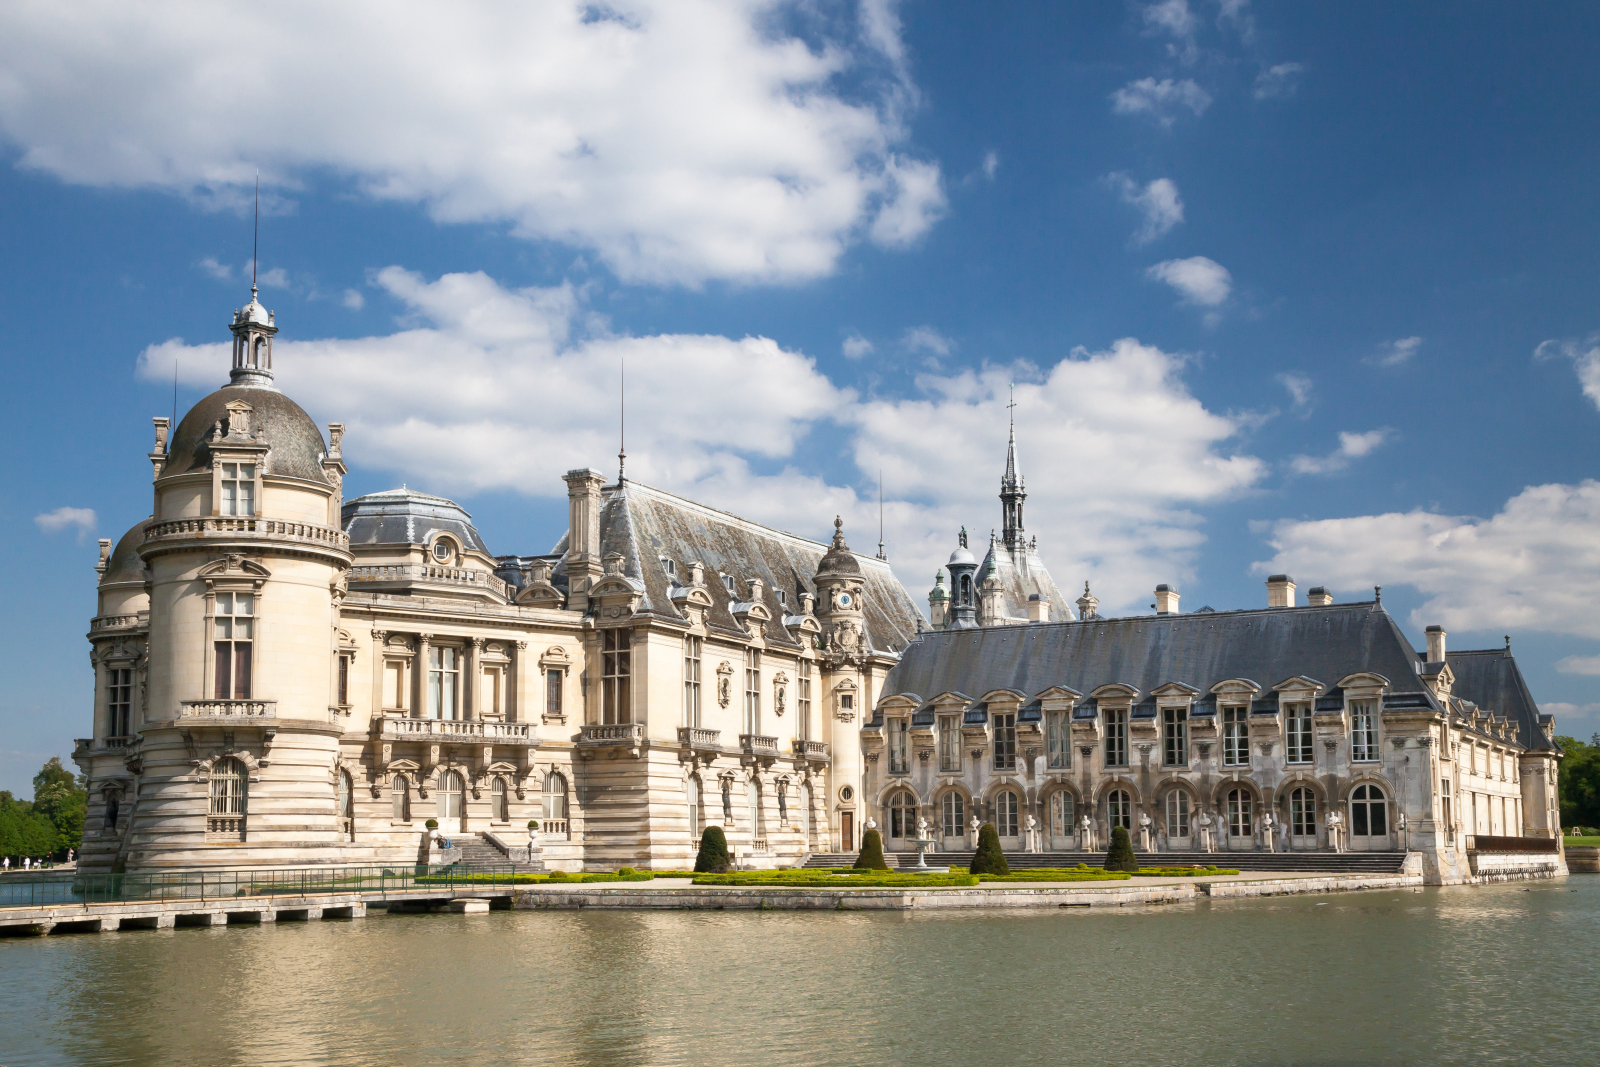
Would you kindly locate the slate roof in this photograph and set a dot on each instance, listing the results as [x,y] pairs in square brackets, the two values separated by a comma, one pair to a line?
[1492,680]
[645,524]
[297,445]
[406,517]
[125,564]
[1268,646]
[1022,574]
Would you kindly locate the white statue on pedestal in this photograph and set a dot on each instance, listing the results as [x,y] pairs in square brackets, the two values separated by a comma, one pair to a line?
[1336,830]
[1205,823]
[1267,823]
[1144,831]
[1033,834]
[975,825]
[1085,834]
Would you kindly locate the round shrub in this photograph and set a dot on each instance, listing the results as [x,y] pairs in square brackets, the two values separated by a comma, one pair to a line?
[1120,856]
[870,857]
[558,876]
[533,824]
[989,859]
[432,824]
[713,858]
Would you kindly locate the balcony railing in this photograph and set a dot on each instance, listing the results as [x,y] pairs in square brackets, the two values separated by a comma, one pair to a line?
[119,622]
[430,574]
[811,749]
[398,728]
[553,830]
[232,710]
[759,843]
[218,527]
[757,745]
[626,733]
[692,737]
[225,827]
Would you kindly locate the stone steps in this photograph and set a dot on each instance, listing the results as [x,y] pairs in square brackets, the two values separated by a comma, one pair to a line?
[1310,862]
[476,852]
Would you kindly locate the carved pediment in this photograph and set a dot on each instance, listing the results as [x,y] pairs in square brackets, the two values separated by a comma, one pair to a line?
[234,565]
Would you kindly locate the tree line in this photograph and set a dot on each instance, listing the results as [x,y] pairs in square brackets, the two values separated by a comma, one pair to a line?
[1579,782]
[49,824]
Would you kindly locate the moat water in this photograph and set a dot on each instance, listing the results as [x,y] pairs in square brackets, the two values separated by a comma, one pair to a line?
[1504,974]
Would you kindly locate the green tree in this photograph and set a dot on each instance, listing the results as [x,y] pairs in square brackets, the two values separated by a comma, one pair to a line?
[61,799]
[1120,856]
[989,859]
[870,858]
[1578,781]
[713,858]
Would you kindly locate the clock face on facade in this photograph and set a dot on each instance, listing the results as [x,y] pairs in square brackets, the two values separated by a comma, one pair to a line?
[845,600]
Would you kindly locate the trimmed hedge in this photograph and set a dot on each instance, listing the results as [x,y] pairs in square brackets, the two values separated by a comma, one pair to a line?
[1056,874]
[1182,872]
[870,858]
[627,874]
[988,859]
[821,879]
[713,858]
[1120,856]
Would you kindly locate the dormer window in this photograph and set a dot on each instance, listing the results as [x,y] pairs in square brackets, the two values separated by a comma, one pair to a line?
[727,582]
[669,567]
[238,489]
[783,597]
[443,551]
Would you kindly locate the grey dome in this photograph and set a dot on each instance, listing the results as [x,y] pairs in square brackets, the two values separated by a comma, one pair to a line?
[253,312]
[838,559]
[962,556]
[297,445]
[125,564]
[406,517]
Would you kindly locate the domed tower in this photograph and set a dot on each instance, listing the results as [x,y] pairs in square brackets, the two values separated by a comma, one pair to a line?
[841,612]
[236,750]
[963,587]
[938,601]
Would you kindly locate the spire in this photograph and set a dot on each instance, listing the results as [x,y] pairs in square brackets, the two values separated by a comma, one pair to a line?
[1012,493]
[253,325]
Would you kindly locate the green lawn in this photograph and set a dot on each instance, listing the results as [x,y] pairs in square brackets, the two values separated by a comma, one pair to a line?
[1582,842]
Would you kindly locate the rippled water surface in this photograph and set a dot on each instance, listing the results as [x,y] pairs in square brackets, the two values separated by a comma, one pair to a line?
[1506,974]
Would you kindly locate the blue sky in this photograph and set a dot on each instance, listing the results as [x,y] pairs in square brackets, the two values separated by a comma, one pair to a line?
[1280,286]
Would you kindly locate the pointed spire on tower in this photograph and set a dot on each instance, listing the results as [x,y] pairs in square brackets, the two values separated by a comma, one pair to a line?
[1012,493]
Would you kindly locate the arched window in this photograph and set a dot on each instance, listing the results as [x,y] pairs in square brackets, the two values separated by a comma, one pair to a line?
[346,806]
[1119,809]
[554,796]
[1005,814]
[1062,814]
[502,812]
[230,801]
[953,814]
[1241,811]
[966,588]
[1177,813]
[400,797]
[1303,813]
[449,796]
[691,793]
[903,815]
[1369,812]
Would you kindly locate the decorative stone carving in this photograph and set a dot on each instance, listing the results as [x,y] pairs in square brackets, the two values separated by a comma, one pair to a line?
[724,683]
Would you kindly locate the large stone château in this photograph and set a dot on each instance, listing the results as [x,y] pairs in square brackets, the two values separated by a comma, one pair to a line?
[286,678]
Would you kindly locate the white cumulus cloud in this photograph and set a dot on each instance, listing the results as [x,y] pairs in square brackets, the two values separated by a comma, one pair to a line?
[1352,446]
[1111,499]
[1533,566]
[1158,201]
[81,519]
[682,141]
[1281,79]
[855,347]
[220,271]
[927,339]
[1199,280]
[1585,356]
[1301,390]
[1161,100]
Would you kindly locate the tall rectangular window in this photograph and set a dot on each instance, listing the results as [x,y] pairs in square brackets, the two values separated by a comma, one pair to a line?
[343,686]
[616,676]
[691,680]
[234,629]
[1363,731]
[394,685]
[1058,738]
[950,745]
[1299,727]
[1005,743]
[1116,738]
[119,695]
[1175,737]
[444,676]
[803,701]
[238,489]
[899,746]
[752,690]
[552,692]
[1235,737]
[491,692]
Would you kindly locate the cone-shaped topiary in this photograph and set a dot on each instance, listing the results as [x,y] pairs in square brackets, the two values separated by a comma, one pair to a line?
[1120,856]
[989,859]
[713,858]
[871,856]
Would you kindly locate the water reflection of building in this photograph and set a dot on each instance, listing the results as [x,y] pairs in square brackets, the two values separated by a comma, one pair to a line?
[284,677]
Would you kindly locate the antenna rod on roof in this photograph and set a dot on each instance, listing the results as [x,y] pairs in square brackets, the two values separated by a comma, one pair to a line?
[255,239]
[880,516]
[622,424]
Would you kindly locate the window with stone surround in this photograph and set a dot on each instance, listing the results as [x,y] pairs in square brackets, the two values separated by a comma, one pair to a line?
[233,630]
[803,701]
[899,746]
[1005,741]
[752,691]
[400,799]
[1241,813]
[342,697]
[552,691]
[691,680]
[500,802]
[1062,814]
[1005,813]
[1236,737]
[1175,737]
[230,799]
[119,701]
[1363,732]
[553,796]
[953,814]
[950,744]
[238,489]
[1119,810]
[1298,725]
[1116,743]
[616,676]
[1177,813]
[1058,739]
[1303,813]
[903,816]
[444,682]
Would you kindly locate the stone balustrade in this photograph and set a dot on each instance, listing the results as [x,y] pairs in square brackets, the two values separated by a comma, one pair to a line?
[119,622]
[817,750]
[758,745]
[229,710]
[429,574]
[469,731]
[627,733]
[693,737]
[234,527]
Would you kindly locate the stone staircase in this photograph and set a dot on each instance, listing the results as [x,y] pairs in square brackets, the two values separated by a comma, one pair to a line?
[1265,862]
[476,852]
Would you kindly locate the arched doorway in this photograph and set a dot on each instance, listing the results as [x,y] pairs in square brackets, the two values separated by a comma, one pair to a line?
[1063,820]
[1119,811]
[953,821]
[554,799]
[1302,818]
[1006,810]
[1176,812]
[903,820]
[448,808]
[1369,819]
[1239,818]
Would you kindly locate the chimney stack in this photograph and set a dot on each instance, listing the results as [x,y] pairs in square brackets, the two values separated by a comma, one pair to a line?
[1435,644]
[1166,600]
[1318,597]
[1280,591]
[1038,608]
